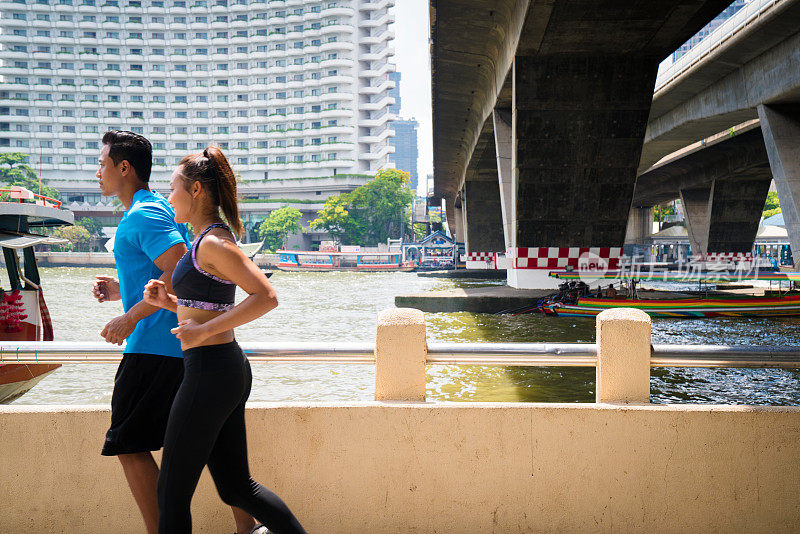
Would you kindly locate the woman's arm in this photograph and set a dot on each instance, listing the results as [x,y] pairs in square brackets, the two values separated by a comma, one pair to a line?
[156,294]
[223,258]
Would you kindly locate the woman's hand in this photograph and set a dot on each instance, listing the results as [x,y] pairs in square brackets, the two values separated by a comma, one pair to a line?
[155,294]
[190,332]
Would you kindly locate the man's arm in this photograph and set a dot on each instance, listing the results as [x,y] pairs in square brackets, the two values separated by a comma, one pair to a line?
[119,328]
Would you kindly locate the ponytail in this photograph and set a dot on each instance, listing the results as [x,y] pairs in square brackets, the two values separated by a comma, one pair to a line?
[212,169]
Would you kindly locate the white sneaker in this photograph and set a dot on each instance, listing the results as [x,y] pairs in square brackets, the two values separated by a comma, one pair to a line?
[259,529]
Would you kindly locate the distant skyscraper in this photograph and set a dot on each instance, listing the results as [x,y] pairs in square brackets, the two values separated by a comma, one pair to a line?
[727,13]
[404,142]
[394,92]
[406,152]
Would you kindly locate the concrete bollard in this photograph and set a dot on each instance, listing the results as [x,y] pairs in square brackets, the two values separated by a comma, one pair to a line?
[623,356]
[400,355]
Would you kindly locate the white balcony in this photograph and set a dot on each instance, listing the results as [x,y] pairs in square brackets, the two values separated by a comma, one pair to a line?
[383,20]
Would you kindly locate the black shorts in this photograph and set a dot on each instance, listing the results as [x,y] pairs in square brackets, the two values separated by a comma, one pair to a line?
[144,388]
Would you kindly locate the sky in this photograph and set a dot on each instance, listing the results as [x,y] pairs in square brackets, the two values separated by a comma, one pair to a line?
[412,57]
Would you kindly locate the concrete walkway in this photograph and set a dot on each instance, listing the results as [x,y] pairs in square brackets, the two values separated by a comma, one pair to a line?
[484,274]
[475,299]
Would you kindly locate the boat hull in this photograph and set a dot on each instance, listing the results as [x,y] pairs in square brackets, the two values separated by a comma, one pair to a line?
[788,306]
[18,379]
[329,268]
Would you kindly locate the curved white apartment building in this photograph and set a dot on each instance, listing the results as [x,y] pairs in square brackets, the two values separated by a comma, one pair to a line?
[288,88]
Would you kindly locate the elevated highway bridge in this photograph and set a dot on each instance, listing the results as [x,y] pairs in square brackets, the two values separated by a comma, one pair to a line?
[744,78]
[544,114]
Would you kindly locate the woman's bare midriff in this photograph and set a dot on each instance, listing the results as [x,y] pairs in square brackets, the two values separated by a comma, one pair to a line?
[203,316]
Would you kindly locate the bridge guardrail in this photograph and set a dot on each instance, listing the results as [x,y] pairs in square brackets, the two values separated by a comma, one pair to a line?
[741,20]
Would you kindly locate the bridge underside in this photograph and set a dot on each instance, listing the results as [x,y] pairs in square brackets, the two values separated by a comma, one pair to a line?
[722,186]
[577,77]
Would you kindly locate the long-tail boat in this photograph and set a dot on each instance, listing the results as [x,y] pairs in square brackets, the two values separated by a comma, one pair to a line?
[23,311]
[684,304]
[365,262]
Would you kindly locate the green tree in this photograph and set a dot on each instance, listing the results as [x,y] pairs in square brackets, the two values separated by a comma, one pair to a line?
[280,223]
[78,236]
[381,203]
[14,170]
[772,206]
[92,225]
[662,211]
[369,214]
[335,218]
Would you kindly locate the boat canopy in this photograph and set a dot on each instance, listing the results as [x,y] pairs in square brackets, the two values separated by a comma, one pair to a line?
[20,240]
[18,216]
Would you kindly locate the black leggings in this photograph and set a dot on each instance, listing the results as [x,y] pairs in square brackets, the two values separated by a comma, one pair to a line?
[206,427]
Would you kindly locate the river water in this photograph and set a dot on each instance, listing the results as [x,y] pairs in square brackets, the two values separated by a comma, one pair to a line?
[343,307]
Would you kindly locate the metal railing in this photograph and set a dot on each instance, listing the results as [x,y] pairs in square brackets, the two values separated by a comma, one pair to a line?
[508,354]
[741,20]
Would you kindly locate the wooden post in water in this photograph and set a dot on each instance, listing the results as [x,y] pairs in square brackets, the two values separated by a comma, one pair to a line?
[400,354]
[623,356]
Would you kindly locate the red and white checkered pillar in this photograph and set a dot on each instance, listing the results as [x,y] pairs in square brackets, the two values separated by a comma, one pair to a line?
[728,260]
[480,260]
[530,267]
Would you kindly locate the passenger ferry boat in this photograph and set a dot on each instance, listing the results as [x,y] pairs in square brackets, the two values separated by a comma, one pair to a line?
[683,304]
[365,262]
[23,312]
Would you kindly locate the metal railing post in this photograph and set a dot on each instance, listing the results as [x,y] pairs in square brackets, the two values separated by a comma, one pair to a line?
[623,356]
[400,354]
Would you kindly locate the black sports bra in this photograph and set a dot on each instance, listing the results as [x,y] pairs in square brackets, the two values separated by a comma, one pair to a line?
[197,288]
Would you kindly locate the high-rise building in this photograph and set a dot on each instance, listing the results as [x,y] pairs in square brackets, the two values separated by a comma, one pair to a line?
[727,13]
[288,88]
[394,92]
[406,152]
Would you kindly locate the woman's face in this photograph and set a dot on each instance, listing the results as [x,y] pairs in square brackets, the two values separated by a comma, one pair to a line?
[181,199]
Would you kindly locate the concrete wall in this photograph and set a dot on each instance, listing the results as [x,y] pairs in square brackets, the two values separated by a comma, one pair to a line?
[415,467]
[441,467]
[75,259]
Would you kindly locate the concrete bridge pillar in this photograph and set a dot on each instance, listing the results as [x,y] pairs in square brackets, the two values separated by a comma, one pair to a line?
[482,217]
[579,121]
[459,228]
[696,204]
[640,226]
[736,207]
[781,128]
[504,145]
[637,236]
[724,217]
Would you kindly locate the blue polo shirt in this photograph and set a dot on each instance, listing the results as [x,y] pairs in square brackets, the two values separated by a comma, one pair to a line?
[146,231]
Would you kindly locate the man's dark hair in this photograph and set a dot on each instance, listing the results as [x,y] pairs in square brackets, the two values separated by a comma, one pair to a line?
[123,145]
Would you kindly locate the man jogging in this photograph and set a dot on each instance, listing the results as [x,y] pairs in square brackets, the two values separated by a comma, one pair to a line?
[147,245]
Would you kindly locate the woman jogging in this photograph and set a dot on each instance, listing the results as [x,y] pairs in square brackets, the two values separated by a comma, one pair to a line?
[206,423]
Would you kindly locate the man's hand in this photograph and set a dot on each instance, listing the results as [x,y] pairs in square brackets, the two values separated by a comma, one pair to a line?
[106,289]
[118,329]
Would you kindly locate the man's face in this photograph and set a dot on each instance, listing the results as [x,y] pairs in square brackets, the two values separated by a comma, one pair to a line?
[109,175]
